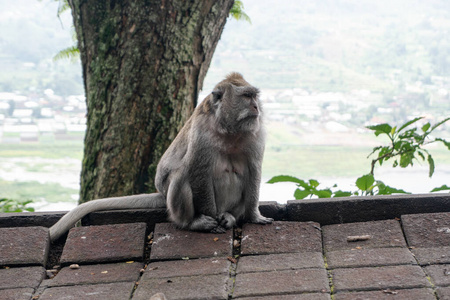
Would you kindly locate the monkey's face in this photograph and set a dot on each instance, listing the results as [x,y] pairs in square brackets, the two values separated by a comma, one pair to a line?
[237,108]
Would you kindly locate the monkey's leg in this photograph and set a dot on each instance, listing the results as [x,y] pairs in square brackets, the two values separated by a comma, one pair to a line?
[180,205]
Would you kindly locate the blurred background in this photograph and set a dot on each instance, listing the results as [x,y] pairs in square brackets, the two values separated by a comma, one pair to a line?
[326,69]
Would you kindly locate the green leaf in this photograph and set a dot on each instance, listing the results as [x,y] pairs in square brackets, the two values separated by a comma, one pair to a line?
[409,134]
[71,52]
[237,12]
[63,6]
[409,123]
[313,183]
[323,193]
[442,188]
[286,178]
[431,165]
[439,124]
[374,150]
[342,194]
[406,159]
[447,144]
[381,128]
[421,155]
[393,130]
[365,182]
[426,127]
[387,190]
[398,145]
[301,194]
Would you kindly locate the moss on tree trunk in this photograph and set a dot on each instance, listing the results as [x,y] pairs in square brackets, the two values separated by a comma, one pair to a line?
[143,65]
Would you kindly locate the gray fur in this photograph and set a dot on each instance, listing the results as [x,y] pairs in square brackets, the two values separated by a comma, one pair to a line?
[209,177]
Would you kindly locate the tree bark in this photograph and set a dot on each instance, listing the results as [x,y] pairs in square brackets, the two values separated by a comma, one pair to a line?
[143,65]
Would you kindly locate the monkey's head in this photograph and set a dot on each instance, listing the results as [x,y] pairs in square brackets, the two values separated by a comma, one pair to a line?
[236,105]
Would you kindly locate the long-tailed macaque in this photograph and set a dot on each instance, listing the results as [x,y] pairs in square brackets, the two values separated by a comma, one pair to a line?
[209,176]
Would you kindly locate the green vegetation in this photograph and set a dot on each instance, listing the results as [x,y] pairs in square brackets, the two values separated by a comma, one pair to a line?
[8,205]
[407,145]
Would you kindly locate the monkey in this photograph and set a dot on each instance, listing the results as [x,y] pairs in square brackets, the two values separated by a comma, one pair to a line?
[208,179]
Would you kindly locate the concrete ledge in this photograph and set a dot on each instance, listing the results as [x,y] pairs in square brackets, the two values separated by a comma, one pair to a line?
[362,209]
[323,211]
[27,219]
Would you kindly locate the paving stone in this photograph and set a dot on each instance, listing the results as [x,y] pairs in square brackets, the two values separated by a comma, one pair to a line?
[384,234]
[102,273]
[172,243]
[369,257]
[190,267]
[279,262]
[17,294]
[427,230]
[314,296]
[109,243]
[388,294]
[429,256]
[24,246]
[392,277]
[281,237]
[440,274]
[192,287]
[281,282]
[443,293]
[107,291]
[21,277]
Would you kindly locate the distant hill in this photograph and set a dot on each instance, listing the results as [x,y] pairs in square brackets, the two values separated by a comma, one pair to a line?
[30,35]
[337,45]
[397,49]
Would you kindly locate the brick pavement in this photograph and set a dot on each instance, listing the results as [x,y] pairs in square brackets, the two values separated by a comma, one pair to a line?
[406,258]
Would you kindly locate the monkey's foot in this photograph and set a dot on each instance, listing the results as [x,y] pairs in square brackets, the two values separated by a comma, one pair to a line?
[218,229]
[203,223]
[226,220]
[261,220]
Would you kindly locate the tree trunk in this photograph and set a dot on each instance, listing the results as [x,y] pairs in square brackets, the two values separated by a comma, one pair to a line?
[143,65]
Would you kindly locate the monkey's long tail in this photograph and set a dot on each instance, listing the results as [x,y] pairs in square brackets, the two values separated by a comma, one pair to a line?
[155,200]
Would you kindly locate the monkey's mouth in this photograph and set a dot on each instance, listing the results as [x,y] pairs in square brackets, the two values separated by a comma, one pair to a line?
[248,116]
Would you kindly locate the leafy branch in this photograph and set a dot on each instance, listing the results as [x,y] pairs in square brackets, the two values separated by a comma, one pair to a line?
[237,12]
[406,145]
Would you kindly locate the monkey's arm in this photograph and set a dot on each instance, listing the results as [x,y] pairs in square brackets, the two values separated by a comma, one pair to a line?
[155,200]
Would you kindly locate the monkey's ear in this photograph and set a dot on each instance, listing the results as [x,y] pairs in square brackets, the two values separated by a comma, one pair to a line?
[217,95]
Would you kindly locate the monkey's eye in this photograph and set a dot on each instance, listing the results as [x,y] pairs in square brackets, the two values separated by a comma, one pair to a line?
[248,95]
[217,95]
